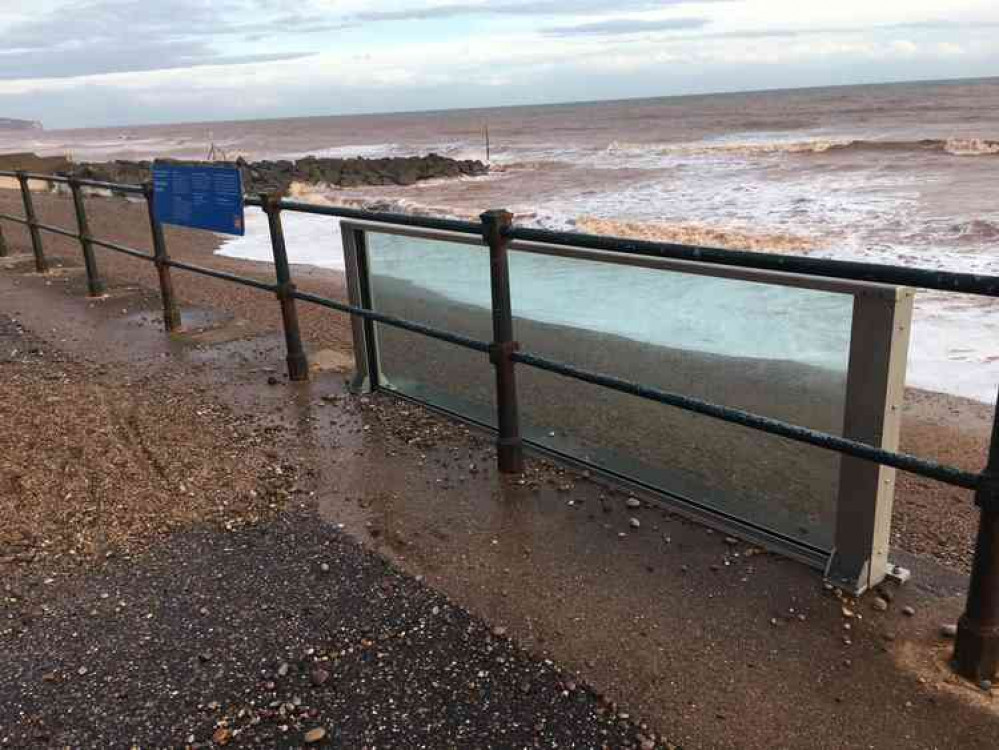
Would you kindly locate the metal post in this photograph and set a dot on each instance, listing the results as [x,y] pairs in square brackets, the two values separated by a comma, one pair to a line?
[298,365]
[4,252]
[171,313]
[875,385]
[367,377]
[510,448]
[95,286]
[41,265]
[976,652]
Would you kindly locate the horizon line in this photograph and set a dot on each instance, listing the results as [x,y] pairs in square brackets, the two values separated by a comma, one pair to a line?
[568,103]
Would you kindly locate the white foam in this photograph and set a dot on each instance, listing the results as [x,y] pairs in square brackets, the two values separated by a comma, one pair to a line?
[309,239]
[953,347]
[367,150]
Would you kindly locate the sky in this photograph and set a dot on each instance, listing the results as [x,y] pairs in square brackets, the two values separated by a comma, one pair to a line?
[89,63]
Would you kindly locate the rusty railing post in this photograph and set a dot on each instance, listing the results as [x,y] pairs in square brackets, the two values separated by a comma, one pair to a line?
[298,365]
[41,265]
[171,312]
[95,286]
[4,252]
[510,447]
[976,651]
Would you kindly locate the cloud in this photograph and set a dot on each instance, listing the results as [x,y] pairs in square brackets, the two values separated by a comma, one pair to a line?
[92,37]
[805,31]
[537,8]
[628,26]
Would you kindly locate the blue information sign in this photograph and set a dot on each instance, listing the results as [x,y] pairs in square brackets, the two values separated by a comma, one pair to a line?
[200,196]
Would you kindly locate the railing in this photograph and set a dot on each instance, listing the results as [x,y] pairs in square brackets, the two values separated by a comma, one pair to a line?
[977,645]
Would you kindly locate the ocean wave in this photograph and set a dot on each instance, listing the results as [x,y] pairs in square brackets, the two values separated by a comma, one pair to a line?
[952,146]
[697,234]
[975,231]
[367,150]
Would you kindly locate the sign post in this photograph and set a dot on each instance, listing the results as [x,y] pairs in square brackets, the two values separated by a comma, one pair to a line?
[201,196]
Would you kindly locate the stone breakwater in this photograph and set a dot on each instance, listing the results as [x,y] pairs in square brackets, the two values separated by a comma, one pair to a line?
[267,176]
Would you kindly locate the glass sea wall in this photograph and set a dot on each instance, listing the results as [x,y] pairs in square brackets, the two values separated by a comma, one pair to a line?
[775,350]
[405,275]
[778,351]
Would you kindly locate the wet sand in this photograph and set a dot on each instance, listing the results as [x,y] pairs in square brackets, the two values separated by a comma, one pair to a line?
[929,518]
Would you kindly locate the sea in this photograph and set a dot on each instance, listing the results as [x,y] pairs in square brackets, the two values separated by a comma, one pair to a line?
[903,173]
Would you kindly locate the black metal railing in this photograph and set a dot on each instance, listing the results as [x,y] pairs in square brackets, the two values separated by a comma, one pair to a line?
[977,646]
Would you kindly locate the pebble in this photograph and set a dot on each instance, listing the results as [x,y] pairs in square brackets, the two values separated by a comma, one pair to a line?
[222,736]
[319,677]
[634,523]
[283,669]
[499,631]
[948,630]
[908,611]
[731,541]
[633,502]
[315,735]
[985,685]
[881,605]
[271,380]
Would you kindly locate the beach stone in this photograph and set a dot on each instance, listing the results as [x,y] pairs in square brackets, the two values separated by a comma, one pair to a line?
[222,736]
[319,677]
[315,735]
[908,611]
[880,604]
[330,359]
[633,502]
[634,523]
[948,630]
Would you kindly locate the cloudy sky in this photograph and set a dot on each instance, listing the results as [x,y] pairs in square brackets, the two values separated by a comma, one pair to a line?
[79,63]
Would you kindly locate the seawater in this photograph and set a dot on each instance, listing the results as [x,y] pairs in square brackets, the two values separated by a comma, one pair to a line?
[900,173]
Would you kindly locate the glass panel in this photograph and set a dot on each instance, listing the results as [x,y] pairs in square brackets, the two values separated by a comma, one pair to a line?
[773,350]
[445,285]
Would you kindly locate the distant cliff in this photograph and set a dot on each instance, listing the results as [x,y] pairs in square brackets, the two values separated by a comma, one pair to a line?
[8,123]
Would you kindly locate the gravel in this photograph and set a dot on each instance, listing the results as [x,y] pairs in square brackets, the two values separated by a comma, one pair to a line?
[139,613]
[90,671]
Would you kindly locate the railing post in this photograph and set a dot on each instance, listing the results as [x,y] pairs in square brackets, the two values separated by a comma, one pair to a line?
[510,448]
[41,265]
[298,365]
[171,312]
[976,652]
[4,252]
[95,286]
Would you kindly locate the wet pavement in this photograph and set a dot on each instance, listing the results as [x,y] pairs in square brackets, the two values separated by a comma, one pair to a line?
[712,642]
